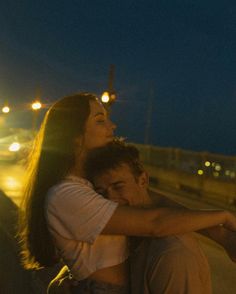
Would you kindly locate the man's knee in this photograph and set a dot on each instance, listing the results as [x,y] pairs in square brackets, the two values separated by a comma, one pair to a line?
[179,267]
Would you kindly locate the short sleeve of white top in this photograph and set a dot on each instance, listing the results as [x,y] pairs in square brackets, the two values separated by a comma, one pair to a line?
[76,215]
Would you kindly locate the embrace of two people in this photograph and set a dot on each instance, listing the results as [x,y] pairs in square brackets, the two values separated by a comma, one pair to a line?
[88,204]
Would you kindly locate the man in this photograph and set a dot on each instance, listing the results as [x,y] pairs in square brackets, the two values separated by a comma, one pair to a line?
[169,265]
[174,264]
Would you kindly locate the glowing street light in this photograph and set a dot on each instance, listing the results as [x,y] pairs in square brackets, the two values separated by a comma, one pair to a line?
[36,105]
[14,147]
[109,96]
[6,109]
[105,97]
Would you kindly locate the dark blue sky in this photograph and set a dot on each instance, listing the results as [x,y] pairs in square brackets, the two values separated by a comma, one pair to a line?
[178,56]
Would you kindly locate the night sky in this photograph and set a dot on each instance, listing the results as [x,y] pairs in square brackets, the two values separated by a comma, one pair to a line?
[175,64]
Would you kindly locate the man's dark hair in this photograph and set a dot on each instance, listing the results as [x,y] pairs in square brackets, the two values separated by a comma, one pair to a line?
[111,156]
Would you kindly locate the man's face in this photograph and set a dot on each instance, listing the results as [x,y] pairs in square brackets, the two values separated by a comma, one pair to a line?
[120,185]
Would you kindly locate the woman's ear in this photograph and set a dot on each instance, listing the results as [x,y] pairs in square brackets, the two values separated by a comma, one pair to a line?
[143,180]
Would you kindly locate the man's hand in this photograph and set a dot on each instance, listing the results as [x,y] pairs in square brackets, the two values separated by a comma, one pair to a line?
[224,237]
[229,244]
[230,221]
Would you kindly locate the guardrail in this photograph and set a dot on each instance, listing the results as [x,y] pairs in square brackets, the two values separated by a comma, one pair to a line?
[211,177]
[203,164]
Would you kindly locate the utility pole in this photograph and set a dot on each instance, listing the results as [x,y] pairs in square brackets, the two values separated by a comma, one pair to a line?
[149,117]
[109,96]
[111,78]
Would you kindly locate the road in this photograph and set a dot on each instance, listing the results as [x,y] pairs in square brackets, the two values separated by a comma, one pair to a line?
[223,270]
[11,180]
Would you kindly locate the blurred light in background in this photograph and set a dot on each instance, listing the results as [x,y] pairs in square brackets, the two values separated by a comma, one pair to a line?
[200,172]
[14,147]
[207,163]
[6,109]
[36,105]
[105,97]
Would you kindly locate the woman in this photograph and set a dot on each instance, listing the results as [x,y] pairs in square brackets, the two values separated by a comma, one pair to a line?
[64,216]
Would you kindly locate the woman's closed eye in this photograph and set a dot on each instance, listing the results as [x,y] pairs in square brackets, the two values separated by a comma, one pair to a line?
[101,118]
[101,121]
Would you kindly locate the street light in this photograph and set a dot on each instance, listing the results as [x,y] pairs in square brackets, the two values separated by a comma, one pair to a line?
[36,106]
[6,109]
[105,97]
[108,97]
[14,147]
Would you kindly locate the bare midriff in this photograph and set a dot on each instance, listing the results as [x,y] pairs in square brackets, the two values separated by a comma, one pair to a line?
[118,274]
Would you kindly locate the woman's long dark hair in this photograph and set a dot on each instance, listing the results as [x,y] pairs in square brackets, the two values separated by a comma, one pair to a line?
[52,157]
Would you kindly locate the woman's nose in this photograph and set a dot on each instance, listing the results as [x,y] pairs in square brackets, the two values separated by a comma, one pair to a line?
[112,125]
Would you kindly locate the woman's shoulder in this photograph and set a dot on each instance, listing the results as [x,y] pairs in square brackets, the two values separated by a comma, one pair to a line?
[71,182]
[73,201]
[72,187]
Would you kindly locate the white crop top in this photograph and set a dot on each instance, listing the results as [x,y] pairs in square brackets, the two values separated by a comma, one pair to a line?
[76,215]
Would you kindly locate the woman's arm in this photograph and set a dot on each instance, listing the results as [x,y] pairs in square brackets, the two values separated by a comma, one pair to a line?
[222,236]
[161,222]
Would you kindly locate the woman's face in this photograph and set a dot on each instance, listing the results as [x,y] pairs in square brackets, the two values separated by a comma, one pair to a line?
[98,129]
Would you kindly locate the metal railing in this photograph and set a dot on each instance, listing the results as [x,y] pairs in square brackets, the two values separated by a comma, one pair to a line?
[204,164]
